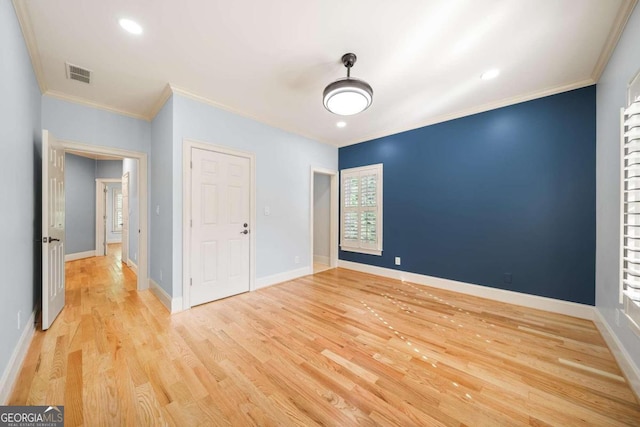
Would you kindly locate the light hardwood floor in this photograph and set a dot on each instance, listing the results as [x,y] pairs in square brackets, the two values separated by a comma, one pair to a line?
[335,348]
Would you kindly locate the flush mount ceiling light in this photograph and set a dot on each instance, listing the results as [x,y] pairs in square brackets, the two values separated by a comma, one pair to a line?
[348,96]
[131,26]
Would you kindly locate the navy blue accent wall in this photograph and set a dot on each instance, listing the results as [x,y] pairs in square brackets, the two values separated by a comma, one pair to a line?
[506,192]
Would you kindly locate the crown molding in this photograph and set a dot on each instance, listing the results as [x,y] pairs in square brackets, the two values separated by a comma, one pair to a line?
[185,93]
[24,20]
[624,13]
[162,99]
[82,101]
[475,110]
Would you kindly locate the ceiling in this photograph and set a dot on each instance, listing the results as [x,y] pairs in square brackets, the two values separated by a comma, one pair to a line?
[270,60]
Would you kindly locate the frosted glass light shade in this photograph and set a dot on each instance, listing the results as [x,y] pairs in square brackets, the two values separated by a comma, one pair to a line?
[347,96]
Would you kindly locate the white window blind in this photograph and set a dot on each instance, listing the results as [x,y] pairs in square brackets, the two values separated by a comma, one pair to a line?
[630,209]
[117,210]
[361,209]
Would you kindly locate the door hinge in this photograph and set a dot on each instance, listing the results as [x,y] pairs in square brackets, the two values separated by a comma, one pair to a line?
[191,164]
[191,222]
[190,282]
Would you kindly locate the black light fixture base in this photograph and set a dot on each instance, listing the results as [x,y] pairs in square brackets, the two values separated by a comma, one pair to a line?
[348,59]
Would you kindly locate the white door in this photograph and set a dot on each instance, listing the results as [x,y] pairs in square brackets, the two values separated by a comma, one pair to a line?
[220,209]
[125,218]
[52,229]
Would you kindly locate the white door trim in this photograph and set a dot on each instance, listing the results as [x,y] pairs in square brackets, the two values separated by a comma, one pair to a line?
[187,145]
[101,212]
[333,237]
[143,197]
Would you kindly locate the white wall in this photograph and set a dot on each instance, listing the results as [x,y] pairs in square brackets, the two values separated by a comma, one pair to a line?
[611,96]
[321,217]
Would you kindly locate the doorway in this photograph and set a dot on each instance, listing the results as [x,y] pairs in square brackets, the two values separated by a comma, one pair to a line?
[140,264]
[323,219]
[218,222]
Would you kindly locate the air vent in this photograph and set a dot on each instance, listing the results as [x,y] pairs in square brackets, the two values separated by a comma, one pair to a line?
[76,73]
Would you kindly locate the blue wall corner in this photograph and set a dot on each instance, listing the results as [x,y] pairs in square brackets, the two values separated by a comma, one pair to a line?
[510,190]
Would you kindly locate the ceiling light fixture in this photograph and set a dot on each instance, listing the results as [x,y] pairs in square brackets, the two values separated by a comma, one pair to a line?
[341,124]
[348,96]
[131,26]
[490,74]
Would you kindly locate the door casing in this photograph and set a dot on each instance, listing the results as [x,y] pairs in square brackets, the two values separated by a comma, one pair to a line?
[187,145]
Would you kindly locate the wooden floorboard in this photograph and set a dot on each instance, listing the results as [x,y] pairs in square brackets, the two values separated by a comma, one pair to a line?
[335,348]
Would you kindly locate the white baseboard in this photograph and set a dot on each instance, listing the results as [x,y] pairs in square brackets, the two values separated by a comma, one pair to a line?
[321,259]
[133,266]
[174,305]
[12,370]
[79,255]
[625,361]
[263,282]
[111,241]
[582,311]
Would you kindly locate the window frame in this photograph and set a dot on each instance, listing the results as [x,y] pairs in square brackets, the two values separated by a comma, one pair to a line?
[115,226]
[360,171]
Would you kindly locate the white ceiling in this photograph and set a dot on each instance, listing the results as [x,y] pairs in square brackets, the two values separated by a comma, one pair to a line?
[270,60]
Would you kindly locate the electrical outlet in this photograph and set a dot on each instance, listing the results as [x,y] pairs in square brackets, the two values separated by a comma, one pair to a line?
[135,256]
[157,209]
[397,260]
[267,211]
[296,259]
[508,278]
[161,275]
[19,319]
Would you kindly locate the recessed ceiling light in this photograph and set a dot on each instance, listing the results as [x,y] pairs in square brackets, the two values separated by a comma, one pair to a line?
[131,26]
[341,124]
[490,74]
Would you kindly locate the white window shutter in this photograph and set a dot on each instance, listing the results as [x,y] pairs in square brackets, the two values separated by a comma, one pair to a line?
[361,212]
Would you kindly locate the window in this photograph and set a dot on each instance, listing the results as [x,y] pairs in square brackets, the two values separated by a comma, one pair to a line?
[630,209]
[117,210]
[361,209]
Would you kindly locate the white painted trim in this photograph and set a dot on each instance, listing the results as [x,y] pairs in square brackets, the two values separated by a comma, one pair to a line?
[333,220]
[187,145]
[624,13]
[582,311]
[174,305]
[24,19]
[475,110]
[143,198]
[132,265]
[12,370]
[622,209]
[625,361]
[112,241]
[96,105]
[322,259]
[101,212]
[162,99]
[79,255]
[286,276]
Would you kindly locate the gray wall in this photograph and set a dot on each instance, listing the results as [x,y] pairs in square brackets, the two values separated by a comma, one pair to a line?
[283,162]
[611,96]
[112,236]
[131,166]
[321,215]
[160,203]
[109,169]
[80,204]
[21,137]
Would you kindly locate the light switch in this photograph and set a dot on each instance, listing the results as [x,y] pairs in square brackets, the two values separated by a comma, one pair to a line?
[267,211]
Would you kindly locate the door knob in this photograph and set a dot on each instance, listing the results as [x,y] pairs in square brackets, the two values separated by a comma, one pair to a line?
[244,232]
[51,239]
